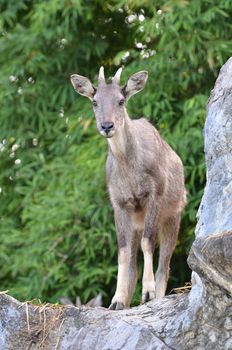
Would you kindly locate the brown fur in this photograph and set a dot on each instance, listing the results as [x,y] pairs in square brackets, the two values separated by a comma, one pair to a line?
[145,181]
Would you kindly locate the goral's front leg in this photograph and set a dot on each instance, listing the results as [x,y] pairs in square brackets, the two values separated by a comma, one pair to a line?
[122,295]
[148,290]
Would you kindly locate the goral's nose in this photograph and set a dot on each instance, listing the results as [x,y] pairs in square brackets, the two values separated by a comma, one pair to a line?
[107,126]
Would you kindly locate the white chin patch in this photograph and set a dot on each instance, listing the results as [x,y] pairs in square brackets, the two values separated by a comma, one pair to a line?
[109,135]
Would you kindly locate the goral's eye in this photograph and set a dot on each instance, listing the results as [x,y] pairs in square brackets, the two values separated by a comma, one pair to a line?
[121,102]
[94,103]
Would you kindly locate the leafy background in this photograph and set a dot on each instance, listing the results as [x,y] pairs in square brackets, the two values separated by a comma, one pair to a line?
[56,227]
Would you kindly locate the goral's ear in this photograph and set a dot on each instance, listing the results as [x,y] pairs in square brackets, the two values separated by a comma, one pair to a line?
[135,83]
[83,85]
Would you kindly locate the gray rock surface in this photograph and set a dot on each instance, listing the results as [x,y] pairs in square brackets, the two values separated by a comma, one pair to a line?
[215,212]
[201,319]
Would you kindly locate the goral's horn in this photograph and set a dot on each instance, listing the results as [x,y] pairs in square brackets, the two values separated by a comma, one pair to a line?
[116,78]
[101,76]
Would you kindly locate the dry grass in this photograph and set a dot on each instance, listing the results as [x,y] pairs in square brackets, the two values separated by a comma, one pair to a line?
[49,320]
[185,289]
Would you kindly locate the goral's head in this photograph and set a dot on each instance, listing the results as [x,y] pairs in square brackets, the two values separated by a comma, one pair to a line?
[109,99]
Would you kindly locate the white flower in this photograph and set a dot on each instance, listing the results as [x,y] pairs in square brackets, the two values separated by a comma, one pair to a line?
[14,147]
[35,142]
[12,78]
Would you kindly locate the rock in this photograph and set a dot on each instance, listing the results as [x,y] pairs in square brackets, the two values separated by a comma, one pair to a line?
[215,256]
[201,319]
[215,212]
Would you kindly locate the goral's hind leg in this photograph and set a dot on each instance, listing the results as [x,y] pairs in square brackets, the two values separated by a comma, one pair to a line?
[133,273]
[148,245]
[167,236]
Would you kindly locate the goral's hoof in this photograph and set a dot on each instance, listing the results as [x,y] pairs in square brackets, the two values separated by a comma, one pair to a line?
[147,296]
[117,306]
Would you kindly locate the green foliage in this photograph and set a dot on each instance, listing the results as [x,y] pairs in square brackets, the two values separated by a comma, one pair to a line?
[56,227]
